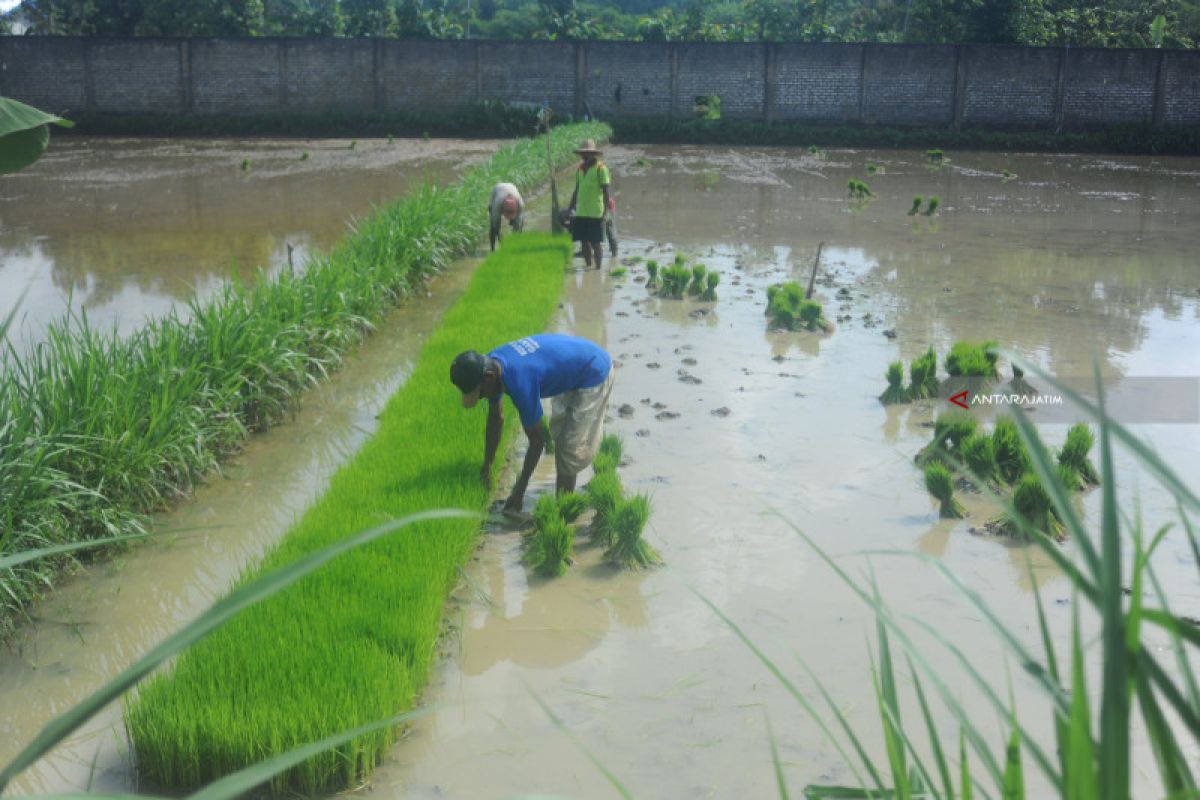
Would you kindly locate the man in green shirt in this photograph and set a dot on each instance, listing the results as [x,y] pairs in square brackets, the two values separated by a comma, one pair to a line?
[589,202]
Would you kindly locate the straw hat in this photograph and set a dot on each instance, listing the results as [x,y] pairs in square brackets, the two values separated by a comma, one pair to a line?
[588,146]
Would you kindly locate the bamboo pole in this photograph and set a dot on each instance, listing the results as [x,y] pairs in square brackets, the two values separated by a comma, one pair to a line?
[813,278]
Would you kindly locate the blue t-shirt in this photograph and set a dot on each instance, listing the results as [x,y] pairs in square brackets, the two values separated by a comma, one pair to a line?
[546,365]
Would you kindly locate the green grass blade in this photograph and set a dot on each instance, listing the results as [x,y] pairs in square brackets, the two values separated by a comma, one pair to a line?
[221,612]
[1115,688]
[1172,763]
[780,780]
[964,766]
[1182,665]
[25,556]
[1079,757]
[243,781]
[579,745]
[935,741]
[1014,778]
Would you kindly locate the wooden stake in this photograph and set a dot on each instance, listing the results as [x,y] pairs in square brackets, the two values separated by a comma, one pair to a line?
[813,278]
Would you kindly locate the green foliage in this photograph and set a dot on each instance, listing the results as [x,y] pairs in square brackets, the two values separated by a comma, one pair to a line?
[940,484]
[1012,460]
[788,309]
[916,205]
[551,546]
[895,392]
[859,190]
[697,284]
[712,280]
[604,493]
[922,371]
[24,134]
[936,156]
[952,428]
[972,360]
[675,280]
[1031,503]
[652,274]
[608,455]
[932,208]
[1074,453]
[571,506]
[619,272]
[707,107]
[628,549]
[979,457]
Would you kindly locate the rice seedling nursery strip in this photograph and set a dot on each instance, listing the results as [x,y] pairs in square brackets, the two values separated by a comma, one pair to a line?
[353,643]
[96,429]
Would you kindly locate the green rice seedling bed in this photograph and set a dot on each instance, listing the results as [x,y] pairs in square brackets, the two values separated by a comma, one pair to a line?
[353,643]
[98,429]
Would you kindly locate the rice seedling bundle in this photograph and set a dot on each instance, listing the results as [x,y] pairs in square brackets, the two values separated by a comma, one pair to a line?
[922,372]
[972,360]
[628,549]
[859,190]
[1012,461]
[355,641]
[935,155]
[979,457]
[652,273]
[916,205]
[113,427]
[604,493]
[1075,450]
[712,280]
[1032,504]
[932,208]
[895,392]
[551,546]
[674,281]
[952,428]
[697,284]
[571,506]
[612,447]
[940,484]
[788,309]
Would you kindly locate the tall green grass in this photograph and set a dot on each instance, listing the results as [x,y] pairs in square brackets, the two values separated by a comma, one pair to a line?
[97,429]
[355,642]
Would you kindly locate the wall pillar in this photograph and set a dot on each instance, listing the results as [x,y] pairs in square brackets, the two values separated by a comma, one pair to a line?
[770,90]
[959,98]
[377,74]
[674,53]
[862,84]
[89,77]
[1060,90]
[1158,112]
[478,71]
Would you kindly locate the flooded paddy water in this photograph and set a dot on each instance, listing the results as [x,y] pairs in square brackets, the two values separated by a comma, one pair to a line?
[733,429]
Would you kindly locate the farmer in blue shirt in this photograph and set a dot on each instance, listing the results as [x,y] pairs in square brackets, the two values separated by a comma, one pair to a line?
[575,372]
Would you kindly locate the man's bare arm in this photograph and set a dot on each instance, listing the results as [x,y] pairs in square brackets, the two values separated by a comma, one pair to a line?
[537,443]
[491,439]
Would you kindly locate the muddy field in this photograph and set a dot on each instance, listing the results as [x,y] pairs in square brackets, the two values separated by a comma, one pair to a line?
[733,430]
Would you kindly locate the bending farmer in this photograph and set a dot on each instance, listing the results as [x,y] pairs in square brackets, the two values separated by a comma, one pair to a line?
[506,203]
[575,372]
[589,201]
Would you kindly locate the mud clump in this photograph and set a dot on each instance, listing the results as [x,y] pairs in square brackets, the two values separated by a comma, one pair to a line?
[723,411]
[625,411]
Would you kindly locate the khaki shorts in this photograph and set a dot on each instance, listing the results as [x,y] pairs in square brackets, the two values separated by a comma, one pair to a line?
[577,425]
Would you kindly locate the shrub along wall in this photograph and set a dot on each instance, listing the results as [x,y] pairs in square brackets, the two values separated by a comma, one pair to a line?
[353,643]
[96,430]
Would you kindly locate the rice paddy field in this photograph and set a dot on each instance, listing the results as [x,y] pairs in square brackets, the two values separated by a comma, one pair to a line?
[733,431]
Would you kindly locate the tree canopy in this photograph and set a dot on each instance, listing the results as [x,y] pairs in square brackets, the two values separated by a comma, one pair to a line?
[1091,23]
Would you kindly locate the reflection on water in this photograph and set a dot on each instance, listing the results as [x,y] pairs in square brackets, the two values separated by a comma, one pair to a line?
[128,228]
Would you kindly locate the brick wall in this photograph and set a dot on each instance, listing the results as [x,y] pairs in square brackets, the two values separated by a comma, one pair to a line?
[1102,87]
[1009,87]
[981,86]
[818,83]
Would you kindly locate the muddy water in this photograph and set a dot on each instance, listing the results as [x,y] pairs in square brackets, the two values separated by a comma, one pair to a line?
[128,228]
[1076,259]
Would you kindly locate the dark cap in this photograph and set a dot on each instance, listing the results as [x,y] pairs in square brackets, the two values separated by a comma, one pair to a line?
[467,374]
